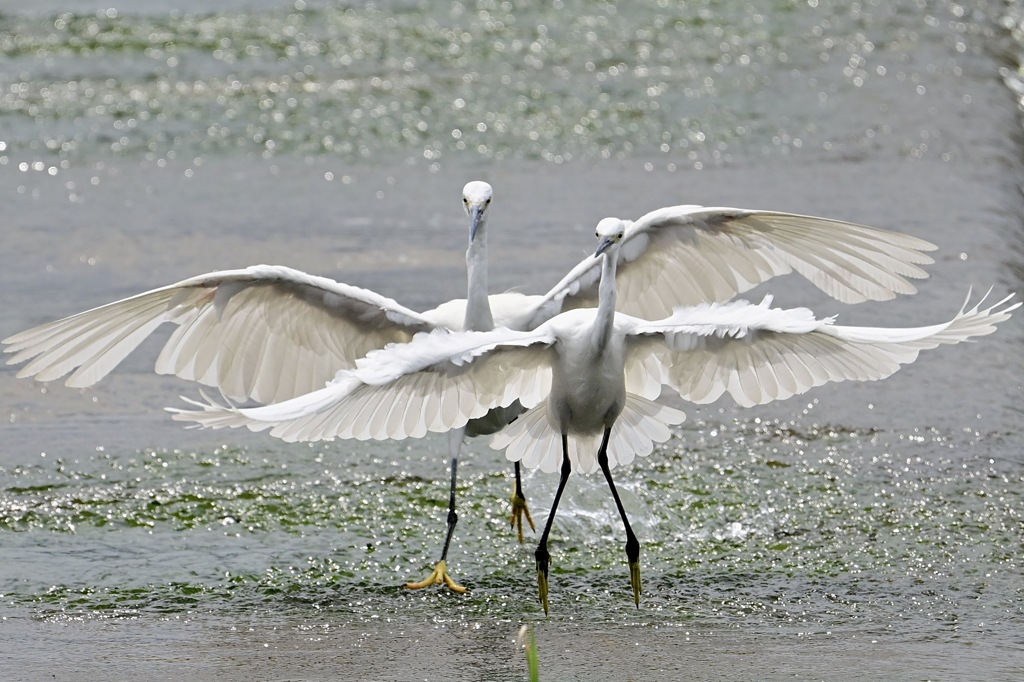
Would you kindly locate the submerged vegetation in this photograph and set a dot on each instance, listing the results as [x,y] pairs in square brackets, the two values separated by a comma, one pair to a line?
[865,524]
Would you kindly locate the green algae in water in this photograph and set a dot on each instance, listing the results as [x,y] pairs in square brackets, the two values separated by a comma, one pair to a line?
[743,522]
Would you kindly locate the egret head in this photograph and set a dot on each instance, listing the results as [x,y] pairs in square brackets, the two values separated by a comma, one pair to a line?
[609,234]
[476,197]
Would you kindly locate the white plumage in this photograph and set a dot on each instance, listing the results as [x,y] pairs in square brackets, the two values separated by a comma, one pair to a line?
[277,335]
[269,333]
[754,353]
[587,370]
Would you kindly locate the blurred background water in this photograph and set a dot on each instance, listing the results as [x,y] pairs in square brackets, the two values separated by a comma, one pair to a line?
[858,532]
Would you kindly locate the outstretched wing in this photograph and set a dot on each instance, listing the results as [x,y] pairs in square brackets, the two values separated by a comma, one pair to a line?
[437,382]
[687,255]
[265,332]
[758,354]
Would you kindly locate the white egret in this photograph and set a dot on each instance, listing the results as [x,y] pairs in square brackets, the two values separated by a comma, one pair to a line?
[476,198]
[588,370]
[270,333]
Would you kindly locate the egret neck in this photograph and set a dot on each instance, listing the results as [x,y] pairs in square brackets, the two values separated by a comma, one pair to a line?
[605,319]
[478,308]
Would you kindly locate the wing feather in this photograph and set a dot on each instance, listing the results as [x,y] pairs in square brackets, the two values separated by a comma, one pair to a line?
[263,332]
[758,354]
[442,380]
[438,382]
[532,439]
[93,349]
[686,255]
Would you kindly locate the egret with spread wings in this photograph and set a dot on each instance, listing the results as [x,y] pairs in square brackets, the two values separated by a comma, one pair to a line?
[269,333]
[588,378]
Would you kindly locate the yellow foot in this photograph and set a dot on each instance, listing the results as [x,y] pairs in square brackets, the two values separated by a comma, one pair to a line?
[542,588]
[634,580]
[519,508]
[440,575]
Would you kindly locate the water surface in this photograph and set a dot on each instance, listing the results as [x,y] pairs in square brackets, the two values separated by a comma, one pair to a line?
[858,532]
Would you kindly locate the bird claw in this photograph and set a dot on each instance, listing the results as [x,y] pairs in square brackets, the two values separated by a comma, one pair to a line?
[519,508]
[542,588]
[438,576]
[634,580]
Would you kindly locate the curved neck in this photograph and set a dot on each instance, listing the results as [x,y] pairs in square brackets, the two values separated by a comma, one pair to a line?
[478,307]
[605,320]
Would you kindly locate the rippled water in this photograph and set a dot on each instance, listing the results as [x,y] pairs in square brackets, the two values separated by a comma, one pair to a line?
[687,82]
[859,532]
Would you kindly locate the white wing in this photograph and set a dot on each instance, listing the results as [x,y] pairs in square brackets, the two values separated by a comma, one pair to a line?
[687,255]
[441,380]
[437,382]
[758,354]
[264,332]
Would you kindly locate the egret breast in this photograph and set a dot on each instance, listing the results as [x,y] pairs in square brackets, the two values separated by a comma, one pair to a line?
[588,387]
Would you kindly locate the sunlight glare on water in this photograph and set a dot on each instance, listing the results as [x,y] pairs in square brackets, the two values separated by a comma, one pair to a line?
[846,521]
[563,81]
[863,532]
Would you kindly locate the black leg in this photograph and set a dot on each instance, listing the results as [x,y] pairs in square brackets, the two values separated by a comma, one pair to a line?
[453,518]
[519,507]
[440,573]
[543,558]
[632,544]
